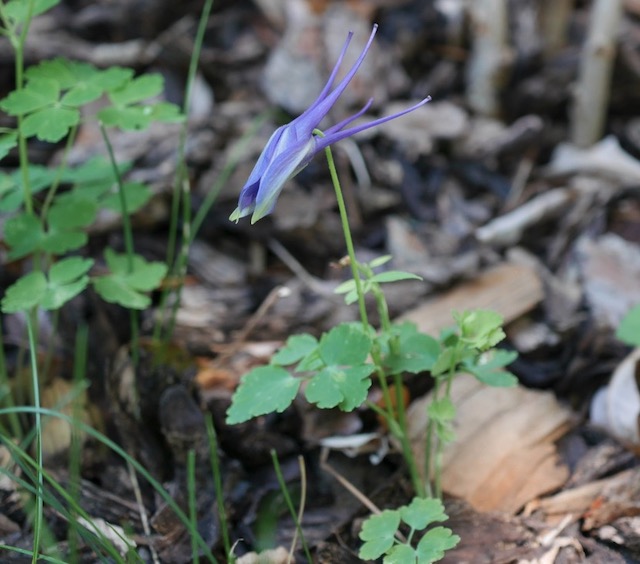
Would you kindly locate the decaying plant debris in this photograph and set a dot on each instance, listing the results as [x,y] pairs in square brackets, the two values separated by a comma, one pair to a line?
[516,188]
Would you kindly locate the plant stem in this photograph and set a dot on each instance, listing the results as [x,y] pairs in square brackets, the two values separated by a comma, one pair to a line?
[287,499]
[217,479]
[399,430]
[35,384]
[128,239]
[346,230]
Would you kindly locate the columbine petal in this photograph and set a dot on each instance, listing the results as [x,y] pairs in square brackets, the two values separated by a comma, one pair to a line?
[292,146]
[285,166]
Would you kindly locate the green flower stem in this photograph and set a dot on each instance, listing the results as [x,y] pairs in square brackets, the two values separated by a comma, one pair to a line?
[35,384]
[399,426]
[344,218]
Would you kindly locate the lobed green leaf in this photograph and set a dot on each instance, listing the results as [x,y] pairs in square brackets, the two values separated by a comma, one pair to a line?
[414,352]
[422,512]
[434,544]
[345,344]
[295,349]
[345,388]
[263,390]
[25,293]
[35,95]
[378,532]
[481,328]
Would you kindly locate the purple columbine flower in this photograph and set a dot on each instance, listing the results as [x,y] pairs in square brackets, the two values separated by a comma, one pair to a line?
[292,146]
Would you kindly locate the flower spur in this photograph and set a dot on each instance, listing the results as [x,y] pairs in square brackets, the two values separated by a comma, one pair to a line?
[292,146]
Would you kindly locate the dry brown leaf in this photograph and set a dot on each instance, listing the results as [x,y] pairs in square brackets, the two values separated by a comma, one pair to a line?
[504,453]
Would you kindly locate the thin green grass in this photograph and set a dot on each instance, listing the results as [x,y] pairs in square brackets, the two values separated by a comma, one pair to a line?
[106,441]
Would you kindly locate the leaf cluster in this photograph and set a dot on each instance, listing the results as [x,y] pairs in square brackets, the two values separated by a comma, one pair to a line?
[50,100]
[380,534]
[335,370]
[371,281]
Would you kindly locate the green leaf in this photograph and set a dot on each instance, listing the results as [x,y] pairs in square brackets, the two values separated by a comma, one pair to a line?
[263,390]
[11,195]
[378,534]
[141,88]
[128,279]
[435,543]
[296,348]
[66,215]
[136,195]
[24,234]
[50,124]
[384,259]
[35,95]
[113,289]
[18,10]
[7,142]
[490,369]
[393,276]
[345,344]
[25,293]
[629,329]
[414,351]
[345,388]
[442,410]
[401,554]
[481,328]
[447,361]
[345,287]
[67,278]
[422,512]
[69,269]
[60,242]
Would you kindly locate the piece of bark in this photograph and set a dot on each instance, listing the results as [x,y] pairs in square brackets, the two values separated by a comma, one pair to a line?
[503,454]
[509,289]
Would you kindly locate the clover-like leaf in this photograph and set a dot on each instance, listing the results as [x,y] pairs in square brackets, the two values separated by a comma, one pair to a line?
[24,234]
[378,533]
[129,277]
[36,95]
[480,328]
[25,293]
[263,390]
[422,512]
[434,544]
[50,124]
[67,278]
[345,344]
[127,110]
[413,352]
[345,388]
[401,554]
[295,349]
